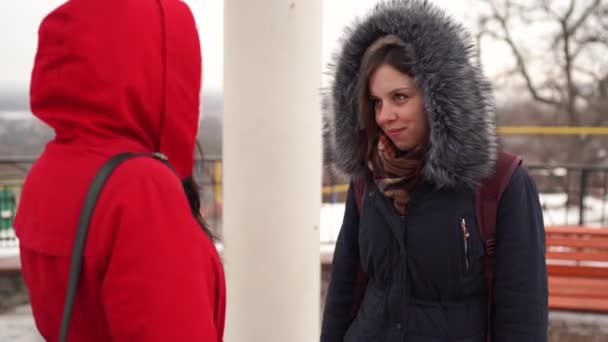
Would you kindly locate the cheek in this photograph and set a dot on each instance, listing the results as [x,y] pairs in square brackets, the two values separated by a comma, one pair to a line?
[411,113]
[417,119]
[419,115]
[423,125]
[422,121]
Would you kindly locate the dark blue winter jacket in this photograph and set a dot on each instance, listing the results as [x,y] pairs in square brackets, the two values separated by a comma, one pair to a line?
[426,279]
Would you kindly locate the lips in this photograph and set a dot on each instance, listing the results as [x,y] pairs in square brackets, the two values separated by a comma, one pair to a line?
[395,132]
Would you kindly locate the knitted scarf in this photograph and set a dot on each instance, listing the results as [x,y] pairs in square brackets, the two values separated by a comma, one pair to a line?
[397,173]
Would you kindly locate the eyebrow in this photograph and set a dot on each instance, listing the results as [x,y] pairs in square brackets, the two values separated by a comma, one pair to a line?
[392,92]
[401,89]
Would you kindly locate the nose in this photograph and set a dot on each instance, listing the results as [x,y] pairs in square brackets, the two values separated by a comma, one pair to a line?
[386,113]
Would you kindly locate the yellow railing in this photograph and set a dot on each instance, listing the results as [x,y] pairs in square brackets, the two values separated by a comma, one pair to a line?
[552,130]
[217,179]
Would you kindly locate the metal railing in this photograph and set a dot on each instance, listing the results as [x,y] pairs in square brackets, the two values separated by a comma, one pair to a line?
[580,193]
[579,190]
[13,170]
[570,194]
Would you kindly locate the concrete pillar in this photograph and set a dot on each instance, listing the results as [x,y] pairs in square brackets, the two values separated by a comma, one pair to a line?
[272,169]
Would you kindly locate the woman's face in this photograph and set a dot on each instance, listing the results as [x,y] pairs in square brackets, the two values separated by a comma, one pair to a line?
[398,107]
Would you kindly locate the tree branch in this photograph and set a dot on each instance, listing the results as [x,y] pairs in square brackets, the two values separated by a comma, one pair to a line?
[571,91]
[596,78]
[546,5]
[481,31]
[602,86]
[523,69]
[584,16]
[569,11]
[592,39]
[602,15]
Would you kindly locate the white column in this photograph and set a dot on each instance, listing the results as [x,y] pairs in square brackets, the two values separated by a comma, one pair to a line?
[272,169]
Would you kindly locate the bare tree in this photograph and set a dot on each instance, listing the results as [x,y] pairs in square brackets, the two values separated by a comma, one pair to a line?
[564,66]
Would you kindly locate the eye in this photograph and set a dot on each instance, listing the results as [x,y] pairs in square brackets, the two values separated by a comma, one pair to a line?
[400,98]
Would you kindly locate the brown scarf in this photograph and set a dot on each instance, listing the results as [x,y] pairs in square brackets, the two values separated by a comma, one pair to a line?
[395,173]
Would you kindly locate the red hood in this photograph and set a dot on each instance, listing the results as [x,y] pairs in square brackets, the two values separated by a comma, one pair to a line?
[120,75]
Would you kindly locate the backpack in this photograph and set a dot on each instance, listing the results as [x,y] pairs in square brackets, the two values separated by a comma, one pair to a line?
[487,199]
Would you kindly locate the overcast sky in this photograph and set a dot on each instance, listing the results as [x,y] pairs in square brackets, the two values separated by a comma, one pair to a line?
[19,22]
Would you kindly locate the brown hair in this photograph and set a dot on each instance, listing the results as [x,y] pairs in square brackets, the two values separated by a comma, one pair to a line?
[389,50]
[192,191]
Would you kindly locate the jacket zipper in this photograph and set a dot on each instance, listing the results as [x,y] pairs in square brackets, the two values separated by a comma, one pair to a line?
[466,235]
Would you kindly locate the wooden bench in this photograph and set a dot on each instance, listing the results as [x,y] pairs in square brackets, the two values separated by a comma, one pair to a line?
[577,264]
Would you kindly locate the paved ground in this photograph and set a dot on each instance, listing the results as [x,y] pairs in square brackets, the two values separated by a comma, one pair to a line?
[17,325]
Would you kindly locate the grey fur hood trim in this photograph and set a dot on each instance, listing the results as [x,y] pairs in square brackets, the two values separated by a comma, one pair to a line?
[458,100]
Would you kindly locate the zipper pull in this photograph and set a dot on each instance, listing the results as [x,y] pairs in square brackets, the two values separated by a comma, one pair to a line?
[465,230]
[466,234]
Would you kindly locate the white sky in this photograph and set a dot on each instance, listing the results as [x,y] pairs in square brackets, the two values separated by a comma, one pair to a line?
[19,23]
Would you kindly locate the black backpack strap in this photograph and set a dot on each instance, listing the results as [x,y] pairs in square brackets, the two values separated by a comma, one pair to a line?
[83,228]
[487,200]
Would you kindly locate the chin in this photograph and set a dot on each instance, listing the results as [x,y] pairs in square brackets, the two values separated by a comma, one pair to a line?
[404,147]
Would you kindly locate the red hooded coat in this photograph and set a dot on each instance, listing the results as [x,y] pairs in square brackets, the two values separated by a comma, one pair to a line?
[117,76]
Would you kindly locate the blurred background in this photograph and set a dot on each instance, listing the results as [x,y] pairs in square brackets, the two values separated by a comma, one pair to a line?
[545,58]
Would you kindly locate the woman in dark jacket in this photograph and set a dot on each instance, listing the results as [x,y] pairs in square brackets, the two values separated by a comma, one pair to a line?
[412,115]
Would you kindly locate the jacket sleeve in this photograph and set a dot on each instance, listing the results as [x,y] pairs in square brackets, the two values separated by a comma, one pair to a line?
[337,315]
[157,285]
[520,297]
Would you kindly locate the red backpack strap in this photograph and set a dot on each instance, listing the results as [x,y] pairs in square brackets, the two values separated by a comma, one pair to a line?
[361,277]
[487,199]
[359,192]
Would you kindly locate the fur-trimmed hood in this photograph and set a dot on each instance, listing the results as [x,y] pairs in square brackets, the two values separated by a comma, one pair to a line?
[458,100]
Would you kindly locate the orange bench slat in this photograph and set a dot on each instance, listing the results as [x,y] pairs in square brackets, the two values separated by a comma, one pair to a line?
[578,271]
[576,230]
[596,242]
[578,303]
[574,255]
[578,287]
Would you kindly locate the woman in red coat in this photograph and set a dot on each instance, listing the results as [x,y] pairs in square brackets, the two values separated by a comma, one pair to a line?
[109,77]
